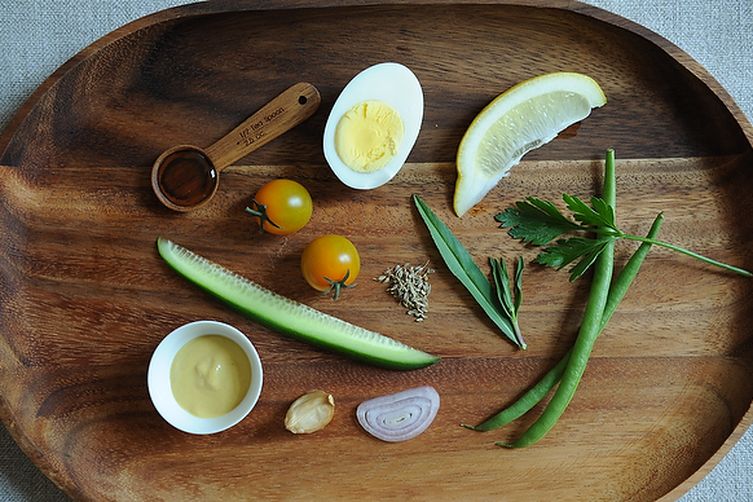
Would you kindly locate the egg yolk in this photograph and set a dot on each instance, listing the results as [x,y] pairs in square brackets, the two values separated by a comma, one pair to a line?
[210,376]
[368,136]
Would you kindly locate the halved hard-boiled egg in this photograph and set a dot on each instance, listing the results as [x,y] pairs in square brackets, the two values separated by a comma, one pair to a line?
[373,125]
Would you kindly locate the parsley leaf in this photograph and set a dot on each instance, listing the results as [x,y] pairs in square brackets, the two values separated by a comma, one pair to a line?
[598,216]
[535,221]
[566,251]
[538,222]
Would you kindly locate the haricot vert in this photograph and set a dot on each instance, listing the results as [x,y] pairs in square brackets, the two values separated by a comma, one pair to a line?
[540,390]
[589,329]
[539,222]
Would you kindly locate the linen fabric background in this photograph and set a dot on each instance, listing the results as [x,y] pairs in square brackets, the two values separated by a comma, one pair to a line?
[37,36]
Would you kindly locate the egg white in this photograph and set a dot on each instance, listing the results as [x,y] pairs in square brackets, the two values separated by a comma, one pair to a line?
[398,87]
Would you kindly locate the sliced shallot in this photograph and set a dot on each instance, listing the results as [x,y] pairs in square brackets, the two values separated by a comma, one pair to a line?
[401,416]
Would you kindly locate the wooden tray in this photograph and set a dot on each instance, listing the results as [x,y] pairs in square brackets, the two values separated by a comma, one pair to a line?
[85,299]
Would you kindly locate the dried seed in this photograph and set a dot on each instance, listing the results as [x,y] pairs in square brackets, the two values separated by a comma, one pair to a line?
[409,285]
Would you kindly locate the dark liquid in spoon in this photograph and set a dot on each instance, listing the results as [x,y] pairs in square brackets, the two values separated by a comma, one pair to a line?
[186,177]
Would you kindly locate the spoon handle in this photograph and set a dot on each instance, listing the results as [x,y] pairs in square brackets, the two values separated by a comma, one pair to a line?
[284,112]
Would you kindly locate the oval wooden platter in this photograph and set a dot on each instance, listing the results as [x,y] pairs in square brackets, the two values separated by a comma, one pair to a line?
[84,298]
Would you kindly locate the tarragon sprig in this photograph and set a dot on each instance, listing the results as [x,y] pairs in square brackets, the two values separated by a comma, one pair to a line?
[509,298]
[461,265]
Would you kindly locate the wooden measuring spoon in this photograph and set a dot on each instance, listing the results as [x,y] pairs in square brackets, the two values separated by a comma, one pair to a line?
[186,177]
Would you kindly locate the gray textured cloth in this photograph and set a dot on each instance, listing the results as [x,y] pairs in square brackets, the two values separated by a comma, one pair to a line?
[36,36]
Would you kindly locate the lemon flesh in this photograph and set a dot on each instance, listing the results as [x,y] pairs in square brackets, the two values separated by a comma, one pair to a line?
[522,118]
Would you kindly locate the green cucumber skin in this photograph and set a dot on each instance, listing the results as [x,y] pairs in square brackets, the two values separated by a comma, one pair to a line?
[281,327]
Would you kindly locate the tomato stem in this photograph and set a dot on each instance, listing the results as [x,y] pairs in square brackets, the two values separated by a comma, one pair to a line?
[260,211]
[336,286]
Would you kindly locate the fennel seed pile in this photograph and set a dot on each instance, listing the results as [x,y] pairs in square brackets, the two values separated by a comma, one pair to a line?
[409,284]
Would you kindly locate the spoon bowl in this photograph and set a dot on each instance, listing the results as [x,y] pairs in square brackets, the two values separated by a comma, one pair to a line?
[184,178]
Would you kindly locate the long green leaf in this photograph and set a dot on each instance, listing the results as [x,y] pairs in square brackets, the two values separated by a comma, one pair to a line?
[518,284]
[502,286]
[462,266]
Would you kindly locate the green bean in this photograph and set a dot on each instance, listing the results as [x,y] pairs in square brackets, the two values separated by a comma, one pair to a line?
[630,271]
[536,393]
[527,401]
[589,329]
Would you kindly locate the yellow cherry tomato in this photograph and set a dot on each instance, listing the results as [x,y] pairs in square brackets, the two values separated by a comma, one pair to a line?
[330,263]
[281,207]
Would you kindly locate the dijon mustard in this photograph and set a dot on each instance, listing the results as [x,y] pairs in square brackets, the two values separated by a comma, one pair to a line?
[210,376]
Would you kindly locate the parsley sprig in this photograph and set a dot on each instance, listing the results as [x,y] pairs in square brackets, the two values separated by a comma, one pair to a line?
[539,222]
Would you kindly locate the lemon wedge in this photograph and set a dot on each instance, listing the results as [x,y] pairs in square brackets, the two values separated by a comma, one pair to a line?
[524,117]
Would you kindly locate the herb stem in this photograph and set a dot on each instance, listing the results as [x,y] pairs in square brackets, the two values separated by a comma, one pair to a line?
[518,334]
[688,252]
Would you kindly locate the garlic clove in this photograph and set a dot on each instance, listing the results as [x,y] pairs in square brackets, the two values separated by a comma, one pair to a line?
[310,412]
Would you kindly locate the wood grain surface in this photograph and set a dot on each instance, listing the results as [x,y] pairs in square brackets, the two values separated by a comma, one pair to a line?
[84,297]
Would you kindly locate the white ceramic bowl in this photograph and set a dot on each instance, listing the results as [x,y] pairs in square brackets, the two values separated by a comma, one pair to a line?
[158,378]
